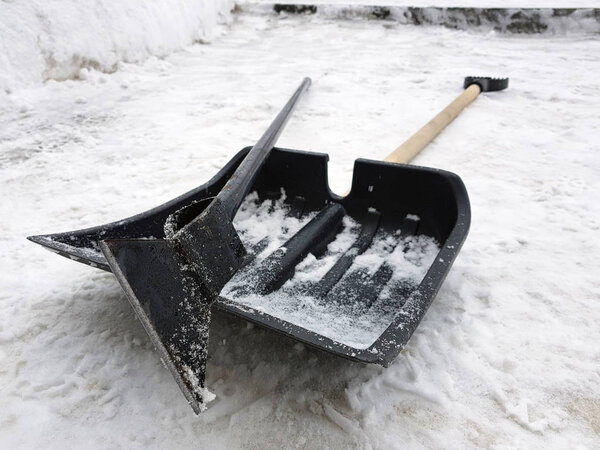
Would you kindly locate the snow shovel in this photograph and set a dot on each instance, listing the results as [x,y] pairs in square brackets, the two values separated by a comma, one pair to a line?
[171,282]
[392,210]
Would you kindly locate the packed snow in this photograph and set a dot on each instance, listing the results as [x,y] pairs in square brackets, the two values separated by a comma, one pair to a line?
[57,39]
[344,315]
[507,355]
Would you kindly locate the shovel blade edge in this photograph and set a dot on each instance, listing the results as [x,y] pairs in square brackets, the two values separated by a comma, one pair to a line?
[168,301]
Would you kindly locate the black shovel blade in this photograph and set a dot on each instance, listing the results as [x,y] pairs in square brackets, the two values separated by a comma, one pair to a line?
[167,301]
[382,198]
[83,245]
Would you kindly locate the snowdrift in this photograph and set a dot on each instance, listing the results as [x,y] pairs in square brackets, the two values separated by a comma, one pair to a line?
[54,39]
[519,20]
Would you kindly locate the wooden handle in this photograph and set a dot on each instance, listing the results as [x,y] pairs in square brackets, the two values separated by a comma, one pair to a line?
[425,135]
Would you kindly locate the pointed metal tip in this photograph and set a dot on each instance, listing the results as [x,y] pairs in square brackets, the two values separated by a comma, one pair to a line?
[75,251]
[38,238]
[47,242]
[168,303]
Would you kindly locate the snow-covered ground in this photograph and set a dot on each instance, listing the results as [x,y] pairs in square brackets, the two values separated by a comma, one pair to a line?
[53,39]
[506,357]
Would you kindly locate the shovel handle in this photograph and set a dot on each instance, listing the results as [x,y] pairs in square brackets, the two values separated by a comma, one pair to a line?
[233,193]
[409,149]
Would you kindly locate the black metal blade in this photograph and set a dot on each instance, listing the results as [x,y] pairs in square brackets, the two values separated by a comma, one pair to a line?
[171,306]
[233,193]
[83,254]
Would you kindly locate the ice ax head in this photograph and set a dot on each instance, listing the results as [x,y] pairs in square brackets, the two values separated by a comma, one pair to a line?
[171,284]
[487,84]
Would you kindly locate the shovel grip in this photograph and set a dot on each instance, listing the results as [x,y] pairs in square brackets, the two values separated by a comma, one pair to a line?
[409,149]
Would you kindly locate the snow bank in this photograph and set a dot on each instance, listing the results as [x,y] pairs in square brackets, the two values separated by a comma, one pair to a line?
[54,39]
[483,19]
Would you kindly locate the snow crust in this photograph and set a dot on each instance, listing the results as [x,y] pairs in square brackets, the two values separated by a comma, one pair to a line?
[507,355]
[62,39]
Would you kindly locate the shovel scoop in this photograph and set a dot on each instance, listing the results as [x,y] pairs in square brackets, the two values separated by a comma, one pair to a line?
[171,283]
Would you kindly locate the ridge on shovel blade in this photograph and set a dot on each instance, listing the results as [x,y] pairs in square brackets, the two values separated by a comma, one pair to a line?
[171,283]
